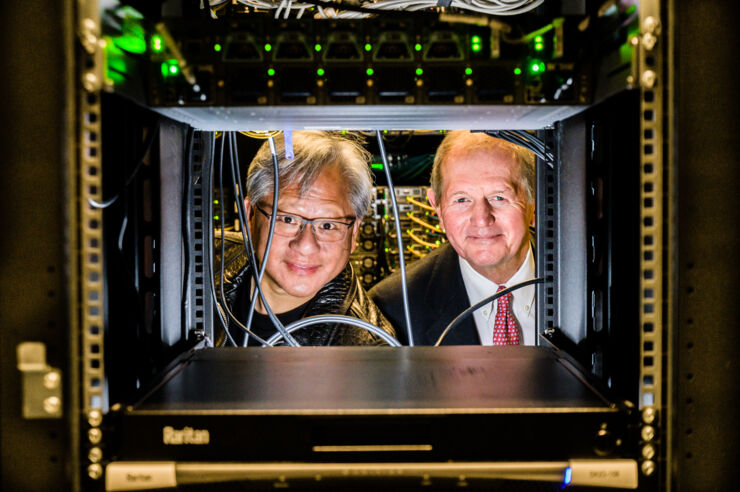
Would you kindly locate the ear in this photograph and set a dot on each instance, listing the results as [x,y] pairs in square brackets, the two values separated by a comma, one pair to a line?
[433,202]
[247,209]
[531,222]
[355,232]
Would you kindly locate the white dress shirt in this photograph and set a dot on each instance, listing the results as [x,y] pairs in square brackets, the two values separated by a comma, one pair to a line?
[479,287]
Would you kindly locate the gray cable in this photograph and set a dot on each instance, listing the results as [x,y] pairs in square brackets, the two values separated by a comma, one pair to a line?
[337,318]
[401,261]
[247,236]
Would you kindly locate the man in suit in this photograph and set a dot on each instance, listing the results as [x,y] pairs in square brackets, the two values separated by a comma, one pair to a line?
[483,193]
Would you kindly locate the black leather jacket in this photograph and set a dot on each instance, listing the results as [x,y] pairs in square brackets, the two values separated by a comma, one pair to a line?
[342,295]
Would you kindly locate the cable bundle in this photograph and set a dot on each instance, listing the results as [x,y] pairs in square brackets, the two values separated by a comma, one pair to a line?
[338,10]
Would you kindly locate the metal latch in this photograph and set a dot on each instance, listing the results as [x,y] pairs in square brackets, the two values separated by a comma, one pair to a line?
[42,384]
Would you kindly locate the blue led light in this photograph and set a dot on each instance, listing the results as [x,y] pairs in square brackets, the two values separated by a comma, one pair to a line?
[567,478]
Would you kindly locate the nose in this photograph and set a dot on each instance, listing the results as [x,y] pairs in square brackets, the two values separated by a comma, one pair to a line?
[305,242]
[482,213]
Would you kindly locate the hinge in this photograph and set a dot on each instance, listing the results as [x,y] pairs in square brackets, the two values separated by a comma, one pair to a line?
[42,384]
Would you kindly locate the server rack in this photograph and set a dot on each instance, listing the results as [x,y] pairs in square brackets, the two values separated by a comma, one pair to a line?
[659,365]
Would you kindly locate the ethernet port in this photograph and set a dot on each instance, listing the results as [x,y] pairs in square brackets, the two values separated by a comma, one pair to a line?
[445,84]
[393,46]
[296,85]
[443,45]
[247,86]
[345,85]
[342,46]
[494,84]
[395,84]
[241,46]
[292,46]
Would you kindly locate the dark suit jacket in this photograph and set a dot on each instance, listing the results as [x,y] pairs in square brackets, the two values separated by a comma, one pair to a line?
[436,296]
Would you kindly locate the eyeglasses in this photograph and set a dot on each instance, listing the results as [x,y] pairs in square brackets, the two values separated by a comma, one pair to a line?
[325,230]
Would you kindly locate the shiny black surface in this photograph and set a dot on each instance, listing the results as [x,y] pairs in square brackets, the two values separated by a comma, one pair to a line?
[366,380]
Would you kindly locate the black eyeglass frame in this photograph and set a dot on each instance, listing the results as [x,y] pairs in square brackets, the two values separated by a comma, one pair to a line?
[305,221]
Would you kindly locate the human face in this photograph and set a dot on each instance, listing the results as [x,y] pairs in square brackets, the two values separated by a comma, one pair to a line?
[297,267]
[484,211]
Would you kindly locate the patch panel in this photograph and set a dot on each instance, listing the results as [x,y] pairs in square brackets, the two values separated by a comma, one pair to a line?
[374,62]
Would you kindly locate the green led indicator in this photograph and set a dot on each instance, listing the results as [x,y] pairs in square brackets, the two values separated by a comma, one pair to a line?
[468,71]
[408,231]
[270,72]
[317,47]
[419,71]
[517,71]
[217,47]
[268,47]
[369,71]
[368,46]
[539,47]
[157,44]
[320,72]
[216,217]
[215,202]
[170,68]
[476,48]
[417,46]
[631,9]
[475,40]
[537,67]
[386,249]
[437,242]
[385,216]
[538,39]
[377,165]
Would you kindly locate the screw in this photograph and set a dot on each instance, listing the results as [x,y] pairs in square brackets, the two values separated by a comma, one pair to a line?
[651,25]
[648,79]
[648,433]
[95,471]
[648,415]
[95,454]
[90,82]
[648,468]
[52,404]
[51,380]
[649,41]
[95,435]
[95,418]
[648,451]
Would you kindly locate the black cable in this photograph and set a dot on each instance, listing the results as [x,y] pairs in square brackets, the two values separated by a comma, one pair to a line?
[273,217]
[401,260]
[365,10]
[473,308]
[247,236]
[223,253]
[523,139]
[147,147]
[209,214]
[186,230]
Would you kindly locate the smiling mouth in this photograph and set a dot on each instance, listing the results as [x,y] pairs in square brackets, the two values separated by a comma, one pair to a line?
[301,269]
[486,237]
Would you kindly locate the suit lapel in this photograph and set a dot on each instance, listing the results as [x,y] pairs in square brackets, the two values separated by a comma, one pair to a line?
[446,298]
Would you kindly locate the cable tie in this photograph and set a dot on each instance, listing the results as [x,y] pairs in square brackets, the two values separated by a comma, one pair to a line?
[288,141]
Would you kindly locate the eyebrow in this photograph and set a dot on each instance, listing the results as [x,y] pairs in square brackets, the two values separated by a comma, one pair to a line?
[281,212]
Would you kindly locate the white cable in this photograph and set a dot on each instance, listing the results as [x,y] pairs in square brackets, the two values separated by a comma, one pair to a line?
[336,318]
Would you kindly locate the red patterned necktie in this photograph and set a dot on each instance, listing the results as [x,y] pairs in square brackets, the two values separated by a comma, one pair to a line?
[505,327]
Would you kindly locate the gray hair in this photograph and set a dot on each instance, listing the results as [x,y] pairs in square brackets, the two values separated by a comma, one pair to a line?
[467,142]
[313,152]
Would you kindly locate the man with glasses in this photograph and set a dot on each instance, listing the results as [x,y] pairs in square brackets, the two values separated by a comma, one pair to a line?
[324,191]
